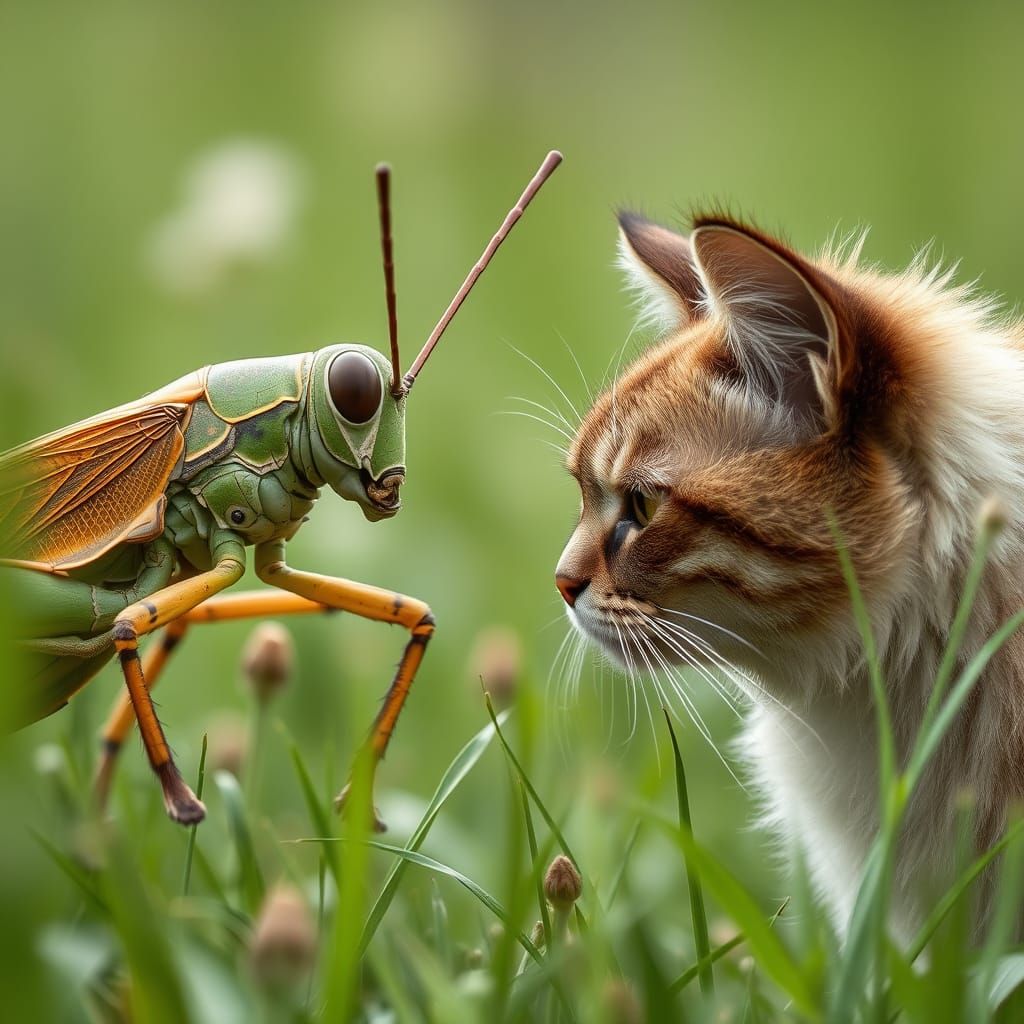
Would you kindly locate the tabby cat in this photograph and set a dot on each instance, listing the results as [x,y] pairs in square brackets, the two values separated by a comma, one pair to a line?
[785,390]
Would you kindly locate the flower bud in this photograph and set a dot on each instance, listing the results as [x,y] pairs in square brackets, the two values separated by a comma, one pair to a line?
[562,883]
[228,744]
[284,940]
[267,659]
[537,934]
[993,515]
[497,660]
[620,1002]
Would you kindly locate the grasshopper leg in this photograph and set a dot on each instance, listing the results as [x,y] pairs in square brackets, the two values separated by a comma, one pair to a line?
[370,603]
[225,607]
[144,617]
[122,714]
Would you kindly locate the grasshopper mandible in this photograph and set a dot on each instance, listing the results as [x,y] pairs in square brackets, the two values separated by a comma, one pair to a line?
[138,518]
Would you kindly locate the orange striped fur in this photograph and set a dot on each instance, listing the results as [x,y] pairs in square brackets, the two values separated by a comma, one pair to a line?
[783,387]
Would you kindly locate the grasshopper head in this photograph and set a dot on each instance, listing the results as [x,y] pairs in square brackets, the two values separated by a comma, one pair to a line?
[357,395]
[357,427]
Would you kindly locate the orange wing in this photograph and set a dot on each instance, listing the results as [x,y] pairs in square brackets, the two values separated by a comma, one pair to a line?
[68,497]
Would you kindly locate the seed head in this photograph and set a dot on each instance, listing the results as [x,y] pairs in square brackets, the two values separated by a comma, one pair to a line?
[497,660]
[992,515]
[229,744]
[49,759]
[562,883]
[621,1004]
[267,659]
[283,946]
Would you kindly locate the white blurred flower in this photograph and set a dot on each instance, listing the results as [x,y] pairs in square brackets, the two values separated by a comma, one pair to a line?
[240,203]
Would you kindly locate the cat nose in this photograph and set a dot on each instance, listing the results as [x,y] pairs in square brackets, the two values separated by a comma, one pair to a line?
[571,588]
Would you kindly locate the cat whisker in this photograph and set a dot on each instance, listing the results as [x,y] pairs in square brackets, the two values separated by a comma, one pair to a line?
[743,681]
[712,625]
[537,419]
[677,684]
[554,414]
[583,377]
[615,381]
[631,671]
[555,680]
[674,642]
[643,692]
[565,398]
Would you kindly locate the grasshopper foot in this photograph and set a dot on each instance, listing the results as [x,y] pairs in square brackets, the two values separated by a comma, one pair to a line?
[341,805]
[182,804]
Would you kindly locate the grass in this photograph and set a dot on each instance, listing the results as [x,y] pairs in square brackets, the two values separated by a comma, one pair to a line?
[418,929]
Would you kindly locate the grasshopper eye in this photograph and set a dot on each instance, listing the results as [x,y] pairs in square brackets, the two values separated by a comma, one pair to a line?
[353,384]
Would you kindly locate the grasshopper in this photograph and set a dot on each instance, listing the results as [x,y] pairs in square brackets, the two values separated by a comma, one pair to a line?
[137,519]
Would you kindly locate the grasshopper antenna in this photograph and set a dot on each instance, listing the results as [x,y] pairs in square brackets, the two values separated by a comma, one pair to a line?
[551,161]
[383,174]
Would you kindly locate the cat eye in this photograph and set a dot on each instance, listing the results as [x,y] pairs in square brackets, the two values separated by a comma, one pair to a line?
[642,506]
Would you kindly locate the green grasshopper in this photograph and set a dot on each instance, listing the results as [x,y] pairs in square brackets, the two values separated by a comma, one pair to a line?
[138,518]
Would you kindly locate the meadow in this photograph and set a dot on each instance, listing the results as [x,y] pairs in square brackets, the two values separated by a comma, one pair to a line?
[183,184]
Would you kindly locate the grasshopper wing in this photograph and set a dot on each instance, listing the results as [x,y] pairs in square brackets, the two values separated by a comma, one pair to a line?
[69,497]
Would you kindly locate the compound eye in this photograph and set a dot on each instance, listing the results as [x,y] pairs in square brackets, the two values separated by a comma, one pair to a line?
[354,386]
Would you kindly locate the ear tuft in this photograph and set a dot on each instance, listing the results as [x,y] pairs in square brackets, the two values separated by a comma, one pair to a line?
[781,327]
[660,268]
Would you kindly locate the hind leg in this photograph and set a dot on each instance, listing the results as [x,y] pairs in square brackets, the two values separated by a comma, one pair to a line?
[226,607]
[147,616]
[122,714]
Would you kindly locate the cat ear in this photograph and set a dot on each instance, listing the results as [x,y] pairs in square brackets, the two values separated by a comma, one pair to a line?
[782,329]
[660,267]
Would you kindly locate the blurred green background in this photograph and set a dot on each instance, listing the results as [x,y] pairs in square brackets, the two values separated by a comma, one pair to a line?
[806,117]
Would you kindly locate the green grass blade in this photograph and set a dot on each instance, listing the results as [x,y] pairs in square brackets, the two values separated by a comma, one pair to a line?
[190,849]
[317,813]
[979,558]
[620,874]
[147,942]
[959,888]
[1003,925]
[698,915]
[866,930]
[928,743]
[887,754]
[534,795]
[250,878]
[717,953]
[866,936]
[412,857]
[535,861]
[81,878]
[460,767]
[385,965]
[210,878]
[442,939]
[767,947]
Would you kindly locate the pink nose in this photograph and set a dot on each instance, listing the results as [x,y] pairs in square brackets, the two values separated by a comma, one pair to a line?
[570,588]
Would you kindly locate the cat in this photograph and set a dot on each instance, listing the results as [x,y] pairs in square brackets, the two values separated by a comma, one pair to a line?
[783,390]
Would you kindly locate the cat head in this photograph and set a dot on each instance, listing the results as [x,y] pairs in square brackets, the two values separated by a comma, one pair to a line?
[787,399]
